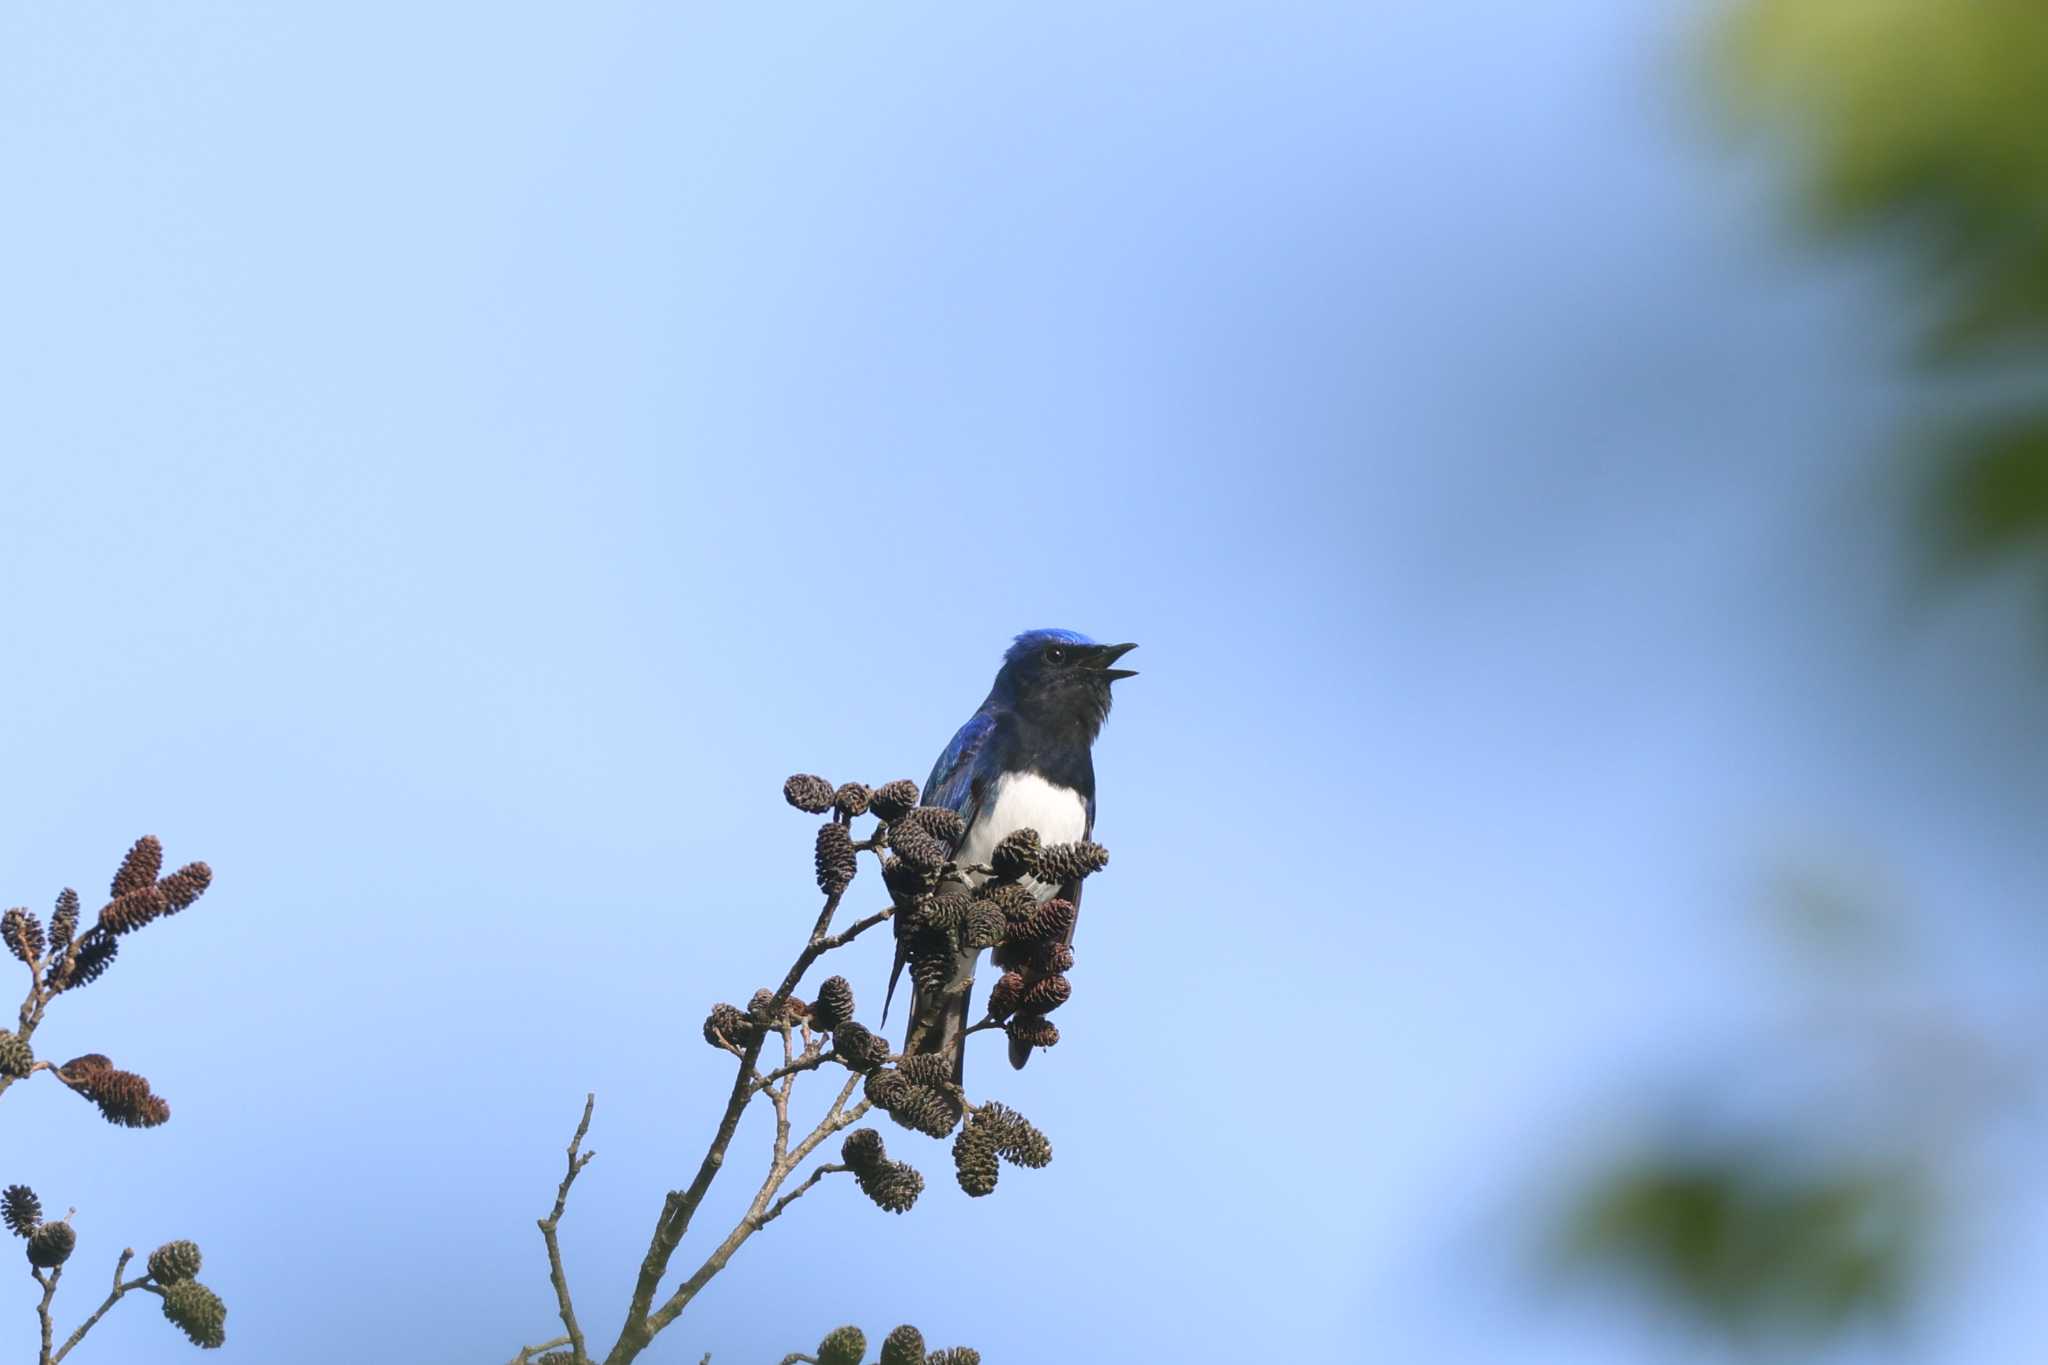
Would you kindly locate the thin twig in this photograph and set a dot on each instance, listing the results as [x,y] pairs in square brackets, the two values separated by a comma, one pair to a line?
[851,932]
[812,1058]
[817,1173]
[780,1099]
[30,1015]
[578,1159]
[836,1118]
[527,1353]
[113,1297]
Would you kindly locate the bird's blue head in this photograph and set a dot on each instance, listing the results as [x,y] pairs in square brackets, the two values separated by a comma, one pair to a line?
[1060,679]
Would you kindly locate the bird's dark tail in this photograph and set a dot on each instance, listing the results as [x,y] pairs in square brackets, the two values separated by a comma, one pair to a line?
[938,1017]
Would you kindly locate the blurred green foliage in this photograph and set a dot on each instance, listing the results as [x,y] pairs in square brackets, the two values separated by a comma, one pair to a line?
[1920,127]
[1925,123]
[1757,1241]
[1821,1210]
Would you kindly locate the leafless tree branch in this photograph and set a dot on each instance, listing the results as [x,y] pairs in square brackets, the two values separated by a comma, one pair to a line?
[578,1159]
[914,1096]
[113,1297]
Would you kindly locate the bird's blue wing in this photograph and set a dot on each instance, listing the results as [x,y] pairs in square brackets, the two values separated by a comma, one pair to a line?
[954,785]
[953,781]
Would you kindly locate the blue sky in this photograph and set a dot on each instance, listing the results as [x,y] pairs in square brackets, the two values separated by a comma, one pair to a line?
[454,464]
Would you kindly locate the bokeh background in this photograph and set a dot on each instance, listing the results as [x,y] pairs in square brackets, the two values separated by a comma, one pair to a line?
[1578,476]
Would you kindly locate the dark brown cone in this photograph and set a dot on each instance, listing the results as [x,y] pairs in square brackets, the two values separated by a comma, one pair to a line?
[974,1158]
[917,848]
[1049,959]
[1003,997]
[931,962]
[1052,921]
[904,1346]
[834,1005]
[985,926]
[954,1355]
[20,1209]
[143,865]
[944,912]
[940,822]
[887,1089]
[1032,1030]
[184,886]
[728,1024]
[893,1185]
[1046,994]
[50,1245]
[130,911]
[95,953]
[858,1048]
[123,1098]
[63,921]
[1063,863]
[1016,1140]
[862,1149]
[930,1068]
[175,1261]
[842,1346]
[851,799]
[1016,904]
[892,800]
[198,1311]
[835,859]
[925,1110]
[79,1067]
[809,794]
[1016,856]
[905,881]
[22,931]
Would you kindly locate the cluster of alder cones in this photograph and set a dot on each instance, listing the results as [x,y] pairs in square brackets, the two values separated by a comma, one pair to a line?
[61,958]
[941,909]
[944,909]
[173,1267]
[904,1346]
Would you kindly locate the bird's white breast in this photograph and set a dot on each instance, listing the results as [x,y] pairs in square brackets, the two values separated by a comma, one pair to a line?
[1025,801]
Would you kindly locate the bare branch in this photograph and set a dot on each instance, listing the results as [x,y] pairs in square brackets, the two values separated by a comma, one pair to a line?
[681,1205]
[578,1159]
[851,932]
[49,1285]
[113,1297]
[812,1058]
[836,1118]
[647,1315]
[817,1173]
[527,1353]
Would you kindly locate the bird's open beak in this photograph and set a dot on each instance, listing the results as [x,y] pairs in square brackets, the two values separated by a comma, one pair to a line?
[1105,655]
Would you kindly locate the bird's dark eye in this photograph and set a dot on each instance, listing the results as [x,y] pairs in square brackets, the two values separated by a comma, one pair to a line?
[1055,654]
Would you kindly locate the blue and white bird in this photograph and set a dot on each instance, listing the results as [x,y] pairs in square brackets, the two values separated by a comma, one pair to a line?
[1023,761]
